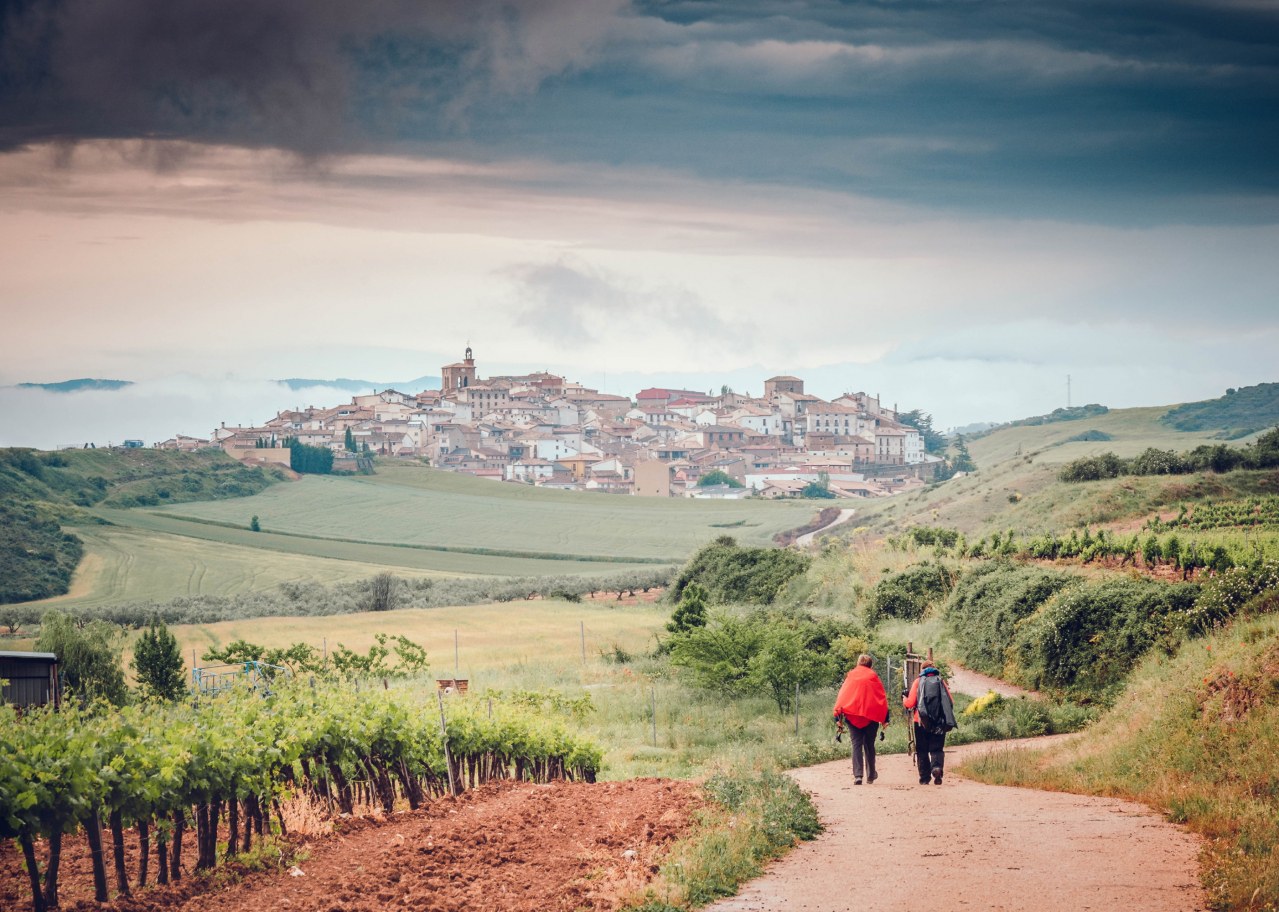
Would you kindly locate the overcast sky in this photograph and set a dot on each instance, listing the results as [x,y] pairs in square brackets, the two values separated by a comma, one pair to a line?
[955,203]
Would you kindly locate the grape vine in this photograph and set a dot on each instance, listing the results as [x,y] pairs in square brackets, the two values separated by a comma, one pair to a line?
[230,760]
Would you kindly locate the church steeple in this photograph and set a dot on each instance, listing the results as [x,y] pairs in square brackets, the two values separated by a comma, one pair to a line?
[460,375]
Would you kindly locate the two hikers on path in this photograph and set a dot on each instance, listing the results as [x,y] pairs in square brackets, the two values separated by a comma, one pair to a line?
[863,706]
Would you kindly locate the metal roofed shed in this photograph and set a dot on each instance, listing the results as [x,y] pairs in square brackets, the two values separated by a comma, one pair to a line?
[30,678]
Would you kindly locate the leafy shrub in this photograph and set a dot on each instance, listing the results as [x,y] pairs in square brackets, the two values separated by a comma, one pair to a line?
[1093,468]
[1088,437]
[37,558]
[990,601]
[1263,454]
[1224,595]
[732,574]
[907,595]
[1088,637]
[765,653]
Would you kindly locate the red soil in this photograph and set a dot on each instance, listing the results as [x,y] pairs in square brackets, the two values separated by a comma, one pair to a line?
[507,847]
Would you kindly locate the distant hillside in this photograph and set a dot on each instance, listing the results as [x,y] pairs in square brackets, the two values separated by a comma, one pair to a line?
[1017,485]
[76,386]
[1237,414]
[1073,413]
[363,386]
[39,491]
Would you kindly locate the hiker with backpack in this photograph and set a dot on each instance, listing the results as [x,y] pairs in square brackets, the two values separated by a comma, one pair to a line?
[934,715]
[863,705]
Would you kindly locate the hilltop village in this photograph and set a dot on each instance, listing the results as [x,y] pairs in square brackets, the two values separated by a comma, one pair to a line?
[538,429]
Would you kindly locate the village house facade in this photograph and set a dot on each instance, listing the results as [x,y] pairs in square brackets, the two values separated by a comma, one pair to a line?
[539,429]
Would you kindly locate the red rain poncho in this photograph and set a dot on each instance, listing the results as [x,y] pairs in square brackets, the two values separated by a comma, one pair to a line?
[862,699]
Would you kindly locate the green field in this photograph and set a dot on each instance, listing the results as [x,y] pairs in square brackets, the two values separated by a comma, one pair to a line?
[410,520]
[123,564]
[416,506]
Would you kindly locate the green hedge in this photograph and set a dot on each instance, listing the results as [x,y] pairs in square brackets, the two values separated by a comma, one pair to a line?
[1087,638]
[990,601]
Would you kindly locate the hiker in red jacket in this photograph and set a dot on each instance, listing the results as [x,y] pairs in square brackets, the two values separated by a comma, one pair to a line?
[934,715]
[862,704]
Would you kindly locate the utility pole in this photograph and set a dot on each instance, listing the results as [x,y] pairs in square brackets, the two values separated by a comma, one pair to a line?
[1068,391]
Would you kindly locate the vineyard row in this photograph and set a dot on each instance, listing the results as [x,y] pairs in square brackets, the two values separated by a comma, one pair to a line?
[167,769]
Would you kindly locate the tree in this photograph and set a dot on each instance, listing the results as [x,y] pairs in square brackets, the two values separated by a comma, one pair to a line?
[784,661]
[963,461]
[89,657]
[310,459]
[718,477]
[819,489]
[923,422]
[254,525]
[691,610]
[383,591]
[350,441]
[158,663]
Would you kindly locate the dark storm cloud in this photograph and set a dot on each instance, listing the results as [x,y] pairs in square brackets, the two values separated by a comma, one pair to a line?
[1131,111]
[310,77]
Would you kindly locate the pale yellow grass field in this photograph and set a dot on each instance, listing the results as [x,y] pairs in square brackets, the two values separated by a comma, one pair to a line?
[490,637]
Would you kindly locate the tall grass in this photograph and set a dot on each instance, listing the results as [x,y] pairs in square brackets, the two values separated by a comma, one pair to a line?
[1197,736]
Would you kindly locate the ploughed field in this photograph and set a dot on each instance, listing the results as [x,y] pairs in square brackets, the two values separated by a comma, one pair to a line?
[505,846]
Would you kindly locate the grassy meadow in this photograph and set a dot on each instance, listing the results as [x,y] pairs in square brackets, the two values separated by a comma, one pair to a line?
[124,564]
[416,506]
[413,521]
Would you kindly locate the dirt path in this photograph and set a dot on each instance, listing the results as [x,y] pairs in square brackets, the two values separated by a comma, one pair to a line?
[807,538]
[993,848]
[975,684]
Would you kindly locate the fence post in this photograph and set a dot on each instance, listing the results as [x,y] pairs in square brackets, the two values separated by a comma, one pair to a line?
[653,708]
[444,734]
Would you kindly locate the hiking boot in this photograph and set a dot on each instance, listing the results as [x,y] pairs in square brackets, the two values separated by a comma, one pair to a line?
[857,780]
[936,777]
[871,778]
[923,781]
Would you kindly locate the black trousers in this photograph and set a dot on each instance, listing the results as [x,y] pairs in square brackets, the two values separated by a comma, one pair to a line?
[930,752]
[863,742]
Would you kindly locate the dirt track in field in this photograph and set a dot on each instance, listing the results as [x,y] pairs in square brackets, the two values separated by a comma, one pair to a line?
[897,846]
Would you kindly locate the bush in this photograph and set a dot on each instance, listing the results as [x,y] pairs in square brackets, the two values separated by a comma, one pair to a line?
[1088,638]
[732,574]
[990,601]
[1094,468]
[764,653]
[908,595]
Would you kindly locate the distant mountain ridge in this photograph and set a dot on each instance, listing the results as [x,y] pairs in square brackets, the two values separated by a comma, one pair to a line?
[79,385]
[347,384]
[363,386]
